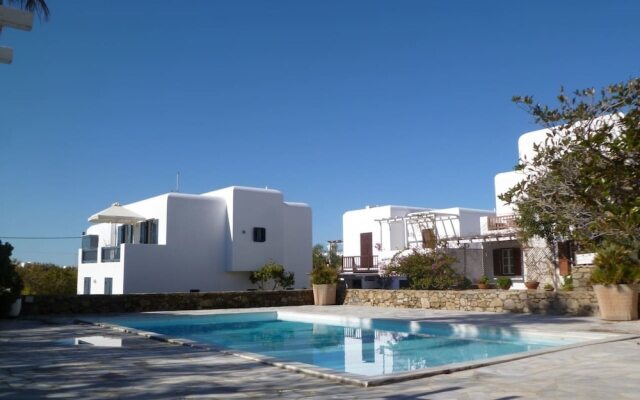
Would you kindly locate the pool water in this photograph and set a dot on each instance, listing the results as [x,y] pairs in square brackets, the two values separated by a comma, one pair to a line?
[378,347]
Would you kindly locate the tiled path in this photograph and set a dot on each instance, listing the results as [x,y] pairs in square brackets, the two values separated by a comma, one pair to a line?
[37,361]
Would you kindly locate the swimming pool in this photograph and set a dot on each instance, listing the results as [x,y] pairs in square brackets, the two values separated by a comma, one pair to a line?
[362,349]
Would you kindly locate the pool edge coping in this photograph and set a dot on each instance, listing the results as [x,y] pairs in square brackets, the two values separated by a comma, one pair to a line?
[355,379]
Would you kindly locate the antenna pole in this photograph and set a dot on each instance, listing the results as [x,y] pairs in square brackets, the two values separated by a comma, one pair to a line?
[178,181]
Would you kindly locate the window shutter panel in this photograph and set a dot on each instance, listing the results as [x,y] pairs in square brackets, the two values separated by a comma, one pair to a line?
[517,260]
[143,232]
[497,262]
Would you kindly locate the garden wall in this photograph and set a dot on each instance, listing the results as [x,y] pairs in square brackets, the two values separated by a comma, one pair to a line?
[83,304]
[517,301]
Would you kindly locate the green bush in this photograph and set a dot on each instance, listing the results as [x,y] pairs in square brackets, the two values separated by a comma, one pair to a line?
[274,273]
[428,270]
[484,280]
[48,279]
[616,264]
[567,285]
[324,275]
[504,282]
[10,282]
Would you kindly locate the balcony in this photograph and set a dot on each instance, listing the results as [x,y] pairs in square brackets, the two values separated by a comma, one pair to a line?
[111,254]
[360,264]
[502,222]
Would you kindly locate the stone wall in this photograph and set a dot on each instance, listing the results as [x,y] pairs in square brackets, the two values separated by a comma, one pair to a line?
[93,304]
[516,301]
[581,275]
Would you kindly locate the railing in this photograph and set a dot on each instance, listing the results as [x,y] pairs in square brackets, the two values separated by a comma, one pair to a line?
[360,264]
[111,254]
[503,222]
[90,256]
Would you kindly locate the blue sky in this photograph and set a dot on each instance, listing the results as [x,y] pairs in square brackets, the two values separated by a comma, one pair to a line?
[338,104]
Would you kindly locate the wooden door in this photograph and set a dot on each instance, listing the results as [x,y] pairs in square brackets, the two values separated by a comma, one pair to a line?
[366,250]
[564,258]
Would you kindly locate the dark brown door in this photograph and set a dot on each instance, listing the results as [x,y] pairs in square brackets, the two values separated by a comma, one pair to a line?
[366,250]
[564,258]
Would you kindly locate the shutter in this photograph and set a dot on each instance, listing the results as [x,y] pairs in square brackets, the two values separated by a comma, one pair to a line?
[143,232]
[121,235]
[153,231]
[517,260]
[497,262]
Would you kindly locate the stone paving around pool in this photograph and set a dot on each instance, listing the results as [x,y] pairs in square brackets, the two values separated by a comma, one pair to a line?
[38,359]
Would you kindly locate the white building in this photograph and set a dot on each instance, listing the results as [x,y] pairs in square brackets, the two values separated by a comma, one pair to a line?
[373,235]
[181,242]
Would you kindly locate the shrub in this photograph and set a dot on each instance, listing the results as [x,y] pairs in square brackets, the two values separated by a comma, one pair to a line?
[48,279]
[615,264]
[567,285]
[272,272]
[548,286]
[324,275]
[427,270]
[504,282]
[484,280]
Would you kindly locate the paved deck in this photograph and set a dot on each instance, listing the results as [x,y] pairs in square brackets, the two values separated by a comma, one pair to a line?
[38,361]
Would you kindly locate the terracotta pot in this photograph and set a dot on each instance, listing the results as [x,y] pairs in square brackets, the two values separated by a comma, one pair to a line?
[484,286]
[324,294]
[617,302]
[533,285]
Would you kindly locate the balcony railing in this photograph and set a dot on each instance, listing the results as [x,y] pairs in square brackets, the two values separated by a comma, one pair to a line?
[503,222]
[360,264]
[111,254]
[90,256]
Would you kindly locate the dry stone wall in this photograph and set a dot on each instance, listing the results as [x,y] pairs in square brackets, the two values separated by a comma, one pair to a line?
[94,304]
[516,301]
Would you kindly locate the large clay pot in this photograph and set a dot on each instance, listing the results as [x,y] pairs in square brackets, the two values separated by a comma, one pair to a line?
[532,285]
[324,294]
[617,302]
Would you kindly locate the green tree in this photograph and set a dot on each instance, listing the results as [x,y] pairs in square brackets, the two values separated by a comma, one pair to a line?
[318,258]
[427,270]
[48,279]
[10,283]
[274,273]
[583,183]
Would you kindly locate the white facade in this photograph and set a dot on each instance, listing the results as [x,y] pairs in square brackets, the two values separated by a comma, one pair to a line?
[394,229]
[204,242]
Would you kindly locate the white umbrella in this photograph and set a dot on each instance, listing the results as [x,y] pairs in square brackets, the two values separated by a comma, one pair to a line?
[116,214]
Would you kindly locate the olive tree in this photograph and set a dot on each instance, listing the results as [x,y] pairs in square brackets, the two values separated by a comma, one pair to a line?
[583,182]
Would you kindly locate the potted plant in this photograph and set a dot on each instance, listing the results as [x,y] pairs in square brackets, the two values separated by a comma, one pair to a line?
[324,279]
[567,285]
[548,287]
[615,281]
[483,282]
[504,282]
[532,285]
[10,283]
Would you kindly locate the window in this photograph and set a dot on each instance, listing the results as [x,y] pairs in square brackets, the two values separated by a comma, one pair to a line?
[108,285]
[259,234]
[507,261]
[87,286]
[89,242]
[149,231]
[125,234]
